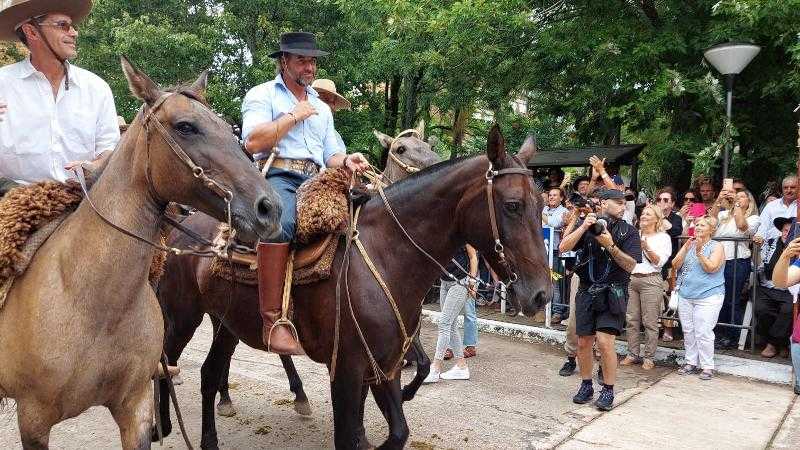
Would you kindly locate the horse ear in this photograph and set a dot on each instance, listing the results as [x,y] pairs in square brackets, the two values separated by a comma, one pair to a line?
[199,86]
[421,129]
[496,145]
[528,149]
[384,139]
[140,84]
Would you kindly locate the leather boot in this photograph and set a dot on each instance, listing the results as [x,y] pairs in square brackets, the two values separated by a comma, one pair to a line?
[272,260]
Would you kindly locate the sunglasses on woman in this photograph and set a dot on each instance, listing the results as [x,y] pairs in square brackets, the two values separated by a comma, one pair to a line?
[688,199]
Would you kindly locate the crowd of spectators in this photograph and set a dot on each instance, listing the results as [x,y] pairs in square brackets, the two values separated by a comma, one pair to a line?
[704,242]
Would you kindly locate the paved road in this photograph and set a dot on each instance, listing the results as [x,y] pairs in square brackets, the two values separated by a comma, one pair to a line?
[514,400]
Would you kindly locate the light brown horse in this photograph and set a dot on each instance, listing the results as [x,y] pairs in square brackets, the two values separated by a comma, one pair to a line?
[187,292]
[82,326]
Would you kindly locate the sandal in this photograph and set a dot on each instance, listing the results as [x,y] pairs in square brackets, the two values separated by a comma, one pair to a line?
[648,364]
[688,369]
[706,374]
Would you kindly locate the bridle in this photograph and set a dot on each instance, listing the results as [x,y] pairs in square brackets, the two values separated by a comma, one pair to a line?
[408,168]
[499,249]
[354,238]
[198,172]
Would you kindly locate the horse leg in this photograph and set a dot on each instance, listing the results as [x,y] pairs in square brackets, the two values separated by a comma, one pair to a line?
[346,399]
[362,432]
[389,398]
[423,368]
[210,375]
[35,421]
[176,337]
[225,406]
[301,405]
[134,417]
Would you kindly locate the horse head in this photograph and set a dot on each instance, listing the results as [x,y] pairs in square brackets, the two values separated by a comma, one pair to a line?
[407,153]
[193,158]
[516,250]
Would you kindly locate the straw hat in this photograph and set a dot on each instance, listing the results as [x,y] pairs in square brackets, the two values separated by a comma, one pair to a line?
[329,87]
[14,13]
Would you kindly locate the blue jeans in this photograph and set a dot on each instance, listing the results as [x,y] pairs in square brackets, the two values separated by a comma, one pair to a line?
[796,362]
[733,296]
[470,323]
[285,184]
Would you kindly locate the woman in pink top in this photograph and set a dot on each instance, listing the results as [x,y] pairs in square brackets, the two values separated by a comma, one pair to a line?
[785,274]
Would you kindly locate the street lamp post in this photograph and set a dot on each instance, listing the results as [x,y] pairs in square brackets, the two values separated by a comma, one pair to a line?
[730,59]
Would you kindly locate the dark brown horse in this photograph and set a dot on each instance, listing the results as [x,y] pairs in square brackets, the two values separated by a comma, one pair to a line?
[187,292]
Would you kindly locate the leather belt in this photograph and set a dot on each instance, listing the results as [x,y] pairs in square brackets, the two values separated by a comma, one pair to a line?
[644,275]
[302,166]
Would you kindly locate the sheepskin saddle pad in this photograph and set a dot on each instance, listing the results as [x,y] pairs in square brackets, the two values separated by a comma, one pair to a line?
[322,216]
[28,216]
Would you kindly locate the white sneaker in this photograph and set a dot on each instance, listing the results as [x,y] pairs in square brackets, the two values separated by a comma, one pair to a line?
[433,377]
[456,373]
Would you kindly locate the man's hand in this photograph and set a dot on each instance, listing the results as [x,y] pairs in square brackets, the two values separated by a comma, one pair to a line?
[3,109]
[758,239]
[356,162]
[73,164]
[472,289]
[590,220]
[792,250]
[605,239]
[303,111]
[599,165]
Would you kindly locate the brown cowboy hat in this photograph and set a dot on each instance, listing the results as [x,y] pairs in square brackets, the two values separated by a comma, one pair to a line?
[329,87]
[14,13]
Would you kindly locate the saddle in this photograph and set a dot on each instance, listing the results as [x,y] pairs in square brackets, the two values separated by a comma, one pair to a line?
[322,218]
[29,215]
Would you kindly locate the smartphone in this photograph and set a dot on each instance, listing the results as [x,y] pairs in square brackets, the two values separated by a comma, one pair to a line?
[727,184]
[697,210]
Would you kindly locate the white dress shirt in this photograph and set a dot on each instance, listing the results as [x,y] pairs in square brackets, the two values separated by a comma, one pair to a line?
[774,209]
[661,244]
[39,134]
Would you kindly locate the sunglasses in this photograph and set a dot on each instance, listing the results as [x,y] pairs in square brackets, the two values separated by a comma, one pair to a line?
[688,199]
[64,25]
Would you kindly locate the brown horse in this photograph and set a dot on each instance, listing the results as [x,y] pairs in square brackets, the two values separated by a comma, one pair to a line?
[441,208]
[187,291]
[82,326]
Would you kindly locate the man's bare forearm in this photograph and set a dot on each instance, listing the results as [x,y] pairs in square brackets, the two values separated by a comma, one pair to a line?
[266,136]
[623,259]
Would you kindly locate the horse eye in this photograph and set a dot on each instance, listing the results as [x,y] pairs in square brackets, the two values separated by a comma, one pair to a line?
[513,206]
[185,128]
[400,150]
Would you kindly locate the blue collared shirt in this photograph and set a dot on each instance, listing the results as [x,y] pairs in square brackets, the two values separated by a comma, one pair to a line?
[314,139]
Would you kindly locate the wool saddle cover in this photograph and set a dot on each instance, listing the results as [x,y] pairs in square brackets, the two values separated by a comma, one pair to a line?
[28,216]
[322,216]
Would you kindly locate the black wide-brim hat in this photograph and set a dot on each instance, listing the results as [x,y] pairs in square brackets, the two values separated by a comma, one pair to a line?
[298,43]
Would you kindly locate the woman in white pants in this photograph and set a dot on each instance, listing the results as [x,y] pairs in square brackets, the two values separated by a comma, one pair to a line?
[701,279]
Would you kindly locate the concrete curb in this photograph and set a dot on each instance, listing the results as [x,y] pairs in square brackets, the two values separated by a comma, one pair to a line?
[732,365]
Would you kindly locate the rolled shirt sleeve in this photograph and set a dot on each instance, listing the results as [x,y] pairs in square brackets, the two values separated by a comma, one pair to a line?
[256,110]
[107,125]
[332,143]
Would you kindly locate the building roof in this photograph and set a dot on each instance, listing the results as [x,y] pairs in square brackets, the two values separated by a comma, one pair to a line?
[579,157]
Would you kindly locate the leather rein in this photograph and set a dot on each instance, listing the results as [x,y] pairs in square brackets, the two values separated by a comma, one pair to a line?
[380,375]
[197,171]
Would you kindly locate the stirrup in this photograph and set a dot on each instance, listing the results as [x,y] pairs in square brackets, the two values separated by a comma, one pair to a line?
[283,321]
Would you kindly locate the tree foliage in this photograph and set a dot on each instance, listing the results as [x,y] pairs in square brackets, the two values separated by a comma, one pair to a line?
[587,72]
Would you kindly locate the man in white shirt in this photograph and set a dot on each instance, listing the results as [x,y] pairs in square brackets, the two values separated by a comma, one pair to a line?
[54,115]
[786,206]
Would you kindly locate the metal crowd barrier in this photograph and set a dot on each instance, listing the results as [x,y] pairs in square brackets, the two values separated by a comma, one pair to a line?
[749,315]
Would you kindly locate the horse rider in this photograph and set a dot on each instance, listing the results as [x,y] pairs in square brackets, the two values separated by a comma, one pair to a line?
[286,116]
[53,115]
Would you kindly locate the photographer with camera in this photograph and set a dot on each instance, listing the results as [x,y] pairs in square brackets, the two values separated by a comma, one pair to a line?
[608,249]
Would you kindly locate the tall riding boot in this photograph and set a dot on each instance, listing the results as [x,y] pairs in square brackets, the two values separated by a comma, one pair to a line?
[278,334]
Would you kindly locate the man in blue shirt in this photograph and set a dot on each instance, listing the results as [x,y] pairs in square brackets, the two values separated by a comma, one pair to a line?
[287,117]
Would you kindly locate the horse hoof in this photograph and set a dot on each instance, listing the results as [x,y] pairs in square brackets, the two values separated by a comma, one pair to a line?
[226,409]
[303,408]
